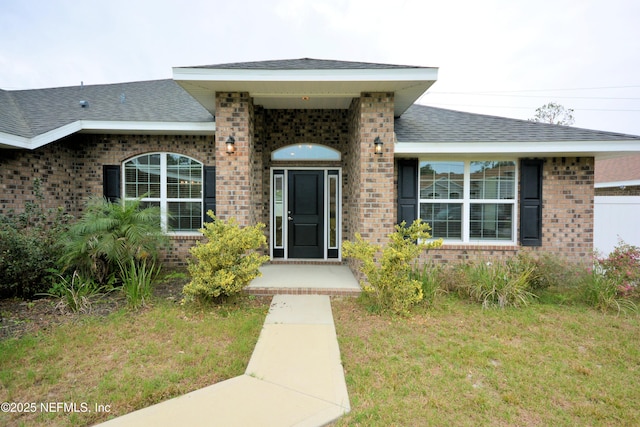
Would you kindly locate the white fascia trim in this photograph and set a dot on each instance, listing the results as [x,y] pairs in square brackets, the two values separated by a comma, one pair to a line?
[403,74]
[517,148]
[155,127]
[95,126]
[618,184]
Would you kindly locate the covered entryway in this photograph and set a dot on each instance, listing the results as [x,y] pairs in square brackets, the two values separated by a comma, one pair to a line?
[305,220]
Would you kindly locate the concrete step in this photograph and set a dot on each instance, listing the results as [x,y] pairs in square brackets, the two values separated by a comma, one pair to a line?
[305,279]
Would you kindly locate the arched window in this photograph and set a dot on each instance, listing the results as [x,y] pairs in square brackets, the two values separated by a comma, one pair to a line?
[305,152]
[170,181]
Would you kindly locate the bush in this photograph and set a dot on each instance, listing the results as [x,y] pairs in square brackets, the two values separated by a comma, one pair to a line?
[227,262]
[75,294]
[111,234]
[391,288]
[137,280]
[602,291]
[623,267]
[432,279]
[498,284]
[30,247]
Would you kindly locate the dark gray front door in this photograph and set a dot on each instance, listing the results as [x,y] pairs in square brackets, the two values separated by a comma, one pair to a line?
[306,214]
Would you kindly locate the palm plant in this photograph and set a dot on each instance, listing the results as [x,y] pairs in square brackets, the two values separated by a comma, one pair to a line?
[112,234]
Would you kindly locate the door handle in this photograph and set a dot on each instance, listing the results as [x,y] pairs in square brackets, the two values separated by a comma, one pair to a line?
[290,218]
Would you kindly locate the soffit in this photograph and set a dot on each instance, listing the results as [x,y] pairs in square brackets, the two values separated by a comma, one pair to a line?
[306,89]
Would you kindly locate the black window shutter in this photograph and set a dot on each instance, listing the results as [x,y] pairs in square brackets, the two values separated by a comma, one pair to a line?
[531,202]
[209,191]
[407,190]
[111,182]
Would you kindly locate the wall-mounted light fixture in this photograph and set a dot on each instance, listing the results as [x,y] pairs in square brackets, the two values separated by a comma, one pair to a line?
[377,145]
[231,145]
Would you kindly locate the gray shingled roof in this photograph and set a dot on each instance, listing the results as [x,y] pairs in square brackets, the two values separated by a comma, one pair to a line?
[429,124]
[304,64]
[29,113]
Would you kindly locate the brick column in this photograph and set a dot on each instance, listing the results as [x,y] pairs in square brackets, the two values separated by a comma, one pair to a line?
[377,195]
[234,117]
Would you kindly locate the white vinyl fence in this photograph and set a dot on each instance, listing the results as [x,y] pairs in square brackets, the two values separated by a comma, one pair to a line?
[615,218]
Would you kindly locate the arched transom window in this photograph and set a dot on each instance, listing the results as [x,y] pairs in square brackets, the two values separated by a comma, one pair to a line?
[170,181]
[305,152]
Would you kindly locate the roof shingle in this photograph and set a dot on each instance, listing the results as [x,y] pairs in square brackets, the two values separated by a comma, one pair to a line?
[304,64]
[421,123]
[37,111]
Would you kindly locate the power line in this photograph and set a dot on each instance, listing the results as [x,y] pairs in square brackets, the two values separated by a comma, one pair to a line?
[527,108]
[542,90]
[534,96]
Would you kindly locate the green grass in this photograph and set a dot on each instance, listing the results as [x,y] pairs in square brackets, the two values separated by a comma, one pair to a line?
[458,364]
[127,360]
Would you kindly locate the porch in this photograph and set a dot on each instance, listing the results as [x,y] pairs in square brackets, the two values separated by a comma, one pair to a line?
[305,279]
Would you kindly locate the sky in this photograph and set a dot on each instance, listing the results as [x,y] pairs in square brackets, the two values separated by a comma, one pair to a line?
[496,57]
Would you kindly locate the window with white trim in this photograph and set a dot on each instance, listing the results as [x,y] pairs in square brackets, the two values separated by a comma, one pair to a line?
[469,201]
[170,181]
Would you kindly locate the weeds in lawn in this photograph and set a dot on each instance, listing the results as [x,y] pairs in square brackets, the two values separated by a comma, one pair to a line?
[457,364]
[128,360]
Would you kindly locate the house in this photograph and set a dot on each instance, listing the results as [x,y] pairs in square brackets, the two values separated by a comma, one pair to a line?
[318,150]
[617,202]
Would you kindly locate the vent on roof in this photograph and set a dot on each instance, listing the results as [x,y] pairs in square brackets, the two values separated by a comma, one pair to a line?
[84,104]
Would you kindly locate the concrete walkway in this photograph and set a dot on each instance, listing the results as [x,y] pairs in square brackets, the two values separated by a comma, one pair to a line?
[294,378]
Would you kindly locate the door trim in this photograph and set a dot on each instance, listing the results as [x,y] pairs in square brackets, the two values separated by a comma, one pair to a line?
[326,221]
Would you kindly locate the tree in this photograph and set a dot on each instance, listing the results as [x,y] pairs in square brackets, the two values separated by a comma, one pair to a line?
[555,114]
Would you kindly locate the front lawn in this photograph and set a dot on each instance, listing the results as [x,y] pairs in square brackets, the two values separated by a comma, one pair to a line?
[105,366]
[457,364]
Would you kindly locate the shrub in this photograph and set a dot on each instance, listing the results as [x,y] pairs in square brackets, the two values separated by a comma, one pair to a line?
[110,234]
[432,278]
[29,247]
[602,291]
[227,262]
[75,294]
[549,270]
[137,280]
[498,284]
[623,267]
[391,288]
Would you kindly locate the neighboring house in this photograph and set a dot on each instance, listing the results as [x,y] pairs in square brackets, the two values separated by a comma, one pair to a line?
[318,150]
[617,202]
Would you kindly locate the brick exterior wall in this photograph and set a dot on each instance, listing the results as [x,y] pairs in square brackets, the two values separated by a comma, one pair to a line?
[71,171]
[371,186]
[235,181]
[278,128]
[567,217]
[631,190]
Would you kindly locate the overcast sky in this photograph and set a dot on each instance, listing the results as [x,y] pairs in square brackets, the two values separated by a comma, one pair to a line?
[497,57]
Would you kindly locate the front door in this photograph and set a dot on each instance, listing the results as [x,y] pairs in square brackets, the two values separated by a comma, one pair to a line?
[305,219]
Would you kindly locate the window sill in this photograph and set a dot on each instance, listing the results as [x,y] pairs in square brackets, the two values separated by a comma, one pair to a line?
[479,246]
[185,235]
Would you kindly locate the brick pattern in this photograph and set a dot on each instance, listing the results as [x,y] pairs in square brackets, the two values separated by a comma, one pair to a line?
[278,128]
[567,209]
[71,171]
[303,291]
[234,179]
[631,190]
[567,217]
[377,192]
